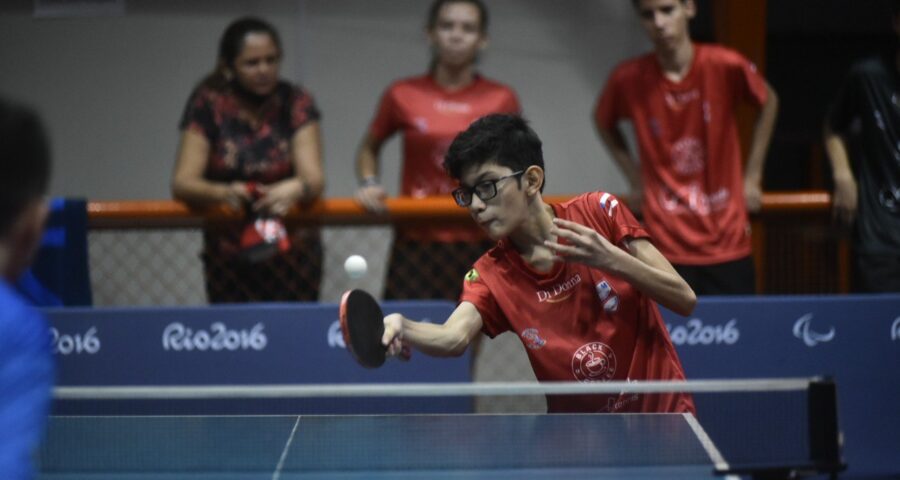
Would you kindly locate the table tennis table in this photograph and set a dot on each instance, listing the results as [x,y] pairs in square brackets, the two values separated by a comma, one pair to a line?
[438,446]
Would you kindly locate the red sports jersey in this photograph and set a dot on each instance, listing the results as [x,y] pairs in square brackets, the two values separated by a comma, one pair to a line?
[430,117]
[689,150]
[579,323]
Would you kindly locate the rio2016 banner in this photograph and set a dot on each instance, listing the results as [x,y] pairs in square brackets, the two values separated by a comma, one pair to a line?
[237,345]
[854,339]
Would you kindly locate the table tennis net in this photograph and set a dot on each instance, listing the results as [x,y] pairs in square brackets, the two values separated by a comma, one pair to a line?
[771,425]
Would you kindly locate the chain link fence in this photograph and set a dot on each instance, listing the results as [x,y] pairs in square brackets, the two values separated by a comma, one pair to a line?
[164,267]
[146,267]
[800,255]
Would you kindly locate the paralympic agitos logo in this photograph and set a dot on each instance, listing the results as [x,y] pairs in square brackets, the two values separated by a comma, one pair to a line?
[811,338]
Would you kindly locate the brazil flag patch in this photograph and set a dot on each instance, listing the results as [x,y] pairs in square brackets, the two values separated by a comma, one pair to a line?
[472,276]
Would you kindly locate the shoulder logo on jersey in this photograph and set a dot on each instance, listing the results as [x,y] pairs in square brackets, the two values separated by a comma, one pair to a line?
[472,276]
[594,362]
[559,292]
[608,204]
[607,296]
[532,339]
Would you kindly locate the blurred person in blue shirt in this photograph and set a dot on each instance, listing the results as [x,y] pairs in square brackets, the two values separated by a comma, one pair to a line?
[26,356]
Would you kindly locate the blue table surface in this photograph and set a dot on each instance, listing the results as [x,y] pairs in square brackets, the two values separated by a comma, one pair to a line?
[380,446]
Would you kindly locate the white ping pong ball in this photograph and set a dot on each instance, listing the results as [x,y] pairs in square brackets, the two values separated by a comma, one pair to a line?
[355,266]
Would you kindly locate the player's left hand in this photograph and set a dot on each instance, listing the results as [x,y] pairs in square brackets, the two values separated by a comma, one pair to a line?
[752,196]
[277,198]
[585,245]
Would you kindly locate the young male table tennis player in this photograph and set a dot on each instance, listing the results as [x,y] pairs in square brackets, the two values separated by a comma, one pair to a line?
[578,282]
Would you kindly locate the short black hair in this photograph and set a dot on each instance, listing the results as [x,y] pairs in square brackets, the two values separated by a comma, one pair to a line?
[505,140]
[24,161]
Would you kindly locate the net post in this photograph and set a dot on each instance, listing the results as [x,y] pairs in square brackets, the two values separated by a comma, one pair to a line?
[824,431]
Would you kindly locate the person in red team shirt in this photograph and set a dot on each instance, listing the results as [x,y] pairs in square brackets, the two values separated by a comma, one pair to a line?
[430,110]
[578,281]
[691,186]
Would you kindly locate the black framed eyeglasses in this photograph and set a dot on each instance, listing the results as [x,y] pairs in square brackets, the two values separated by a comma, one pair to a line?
[485,190]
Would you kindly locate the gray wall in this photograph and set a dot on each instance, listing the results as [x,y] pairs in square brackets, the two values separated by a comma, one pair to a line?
[112,88]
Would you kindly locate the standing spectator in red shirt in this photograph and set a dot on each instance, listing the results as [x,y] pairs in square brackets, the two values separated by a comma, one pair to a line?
[429,110]
[690,184]
[251,139]
[578,282]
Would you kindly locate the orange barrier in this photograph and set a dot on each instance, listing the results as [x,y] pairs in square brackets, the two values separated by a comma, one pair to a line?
[781,211]
[135,213]
[330,211]
[333,211]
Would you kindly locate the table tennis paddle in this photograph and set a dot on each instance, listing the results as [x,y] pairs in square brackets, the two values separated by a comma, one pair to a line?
[362,325]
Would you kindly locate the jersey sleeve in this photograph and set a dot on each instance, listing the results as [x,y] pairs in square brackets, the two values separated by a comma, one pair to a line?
[613,219]
[611,104]
[198,115]
[386,120]
[303,109]
[476,292]
[750,84]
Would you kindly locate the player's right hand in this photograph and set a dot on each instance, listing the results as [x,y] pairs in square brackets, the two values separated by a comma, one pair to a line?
[371,197]
[393,337]
[393,333]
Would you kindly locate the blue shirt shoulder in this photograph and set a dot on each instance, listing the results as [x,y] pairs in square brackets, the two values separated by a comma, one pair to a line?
[26,383]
